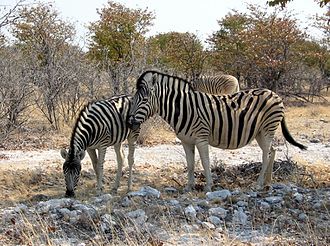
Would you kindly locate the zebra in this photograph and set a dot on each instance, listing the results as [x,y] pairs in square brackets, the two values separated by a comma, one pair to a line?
[199,119]
[99,125]
[217,85]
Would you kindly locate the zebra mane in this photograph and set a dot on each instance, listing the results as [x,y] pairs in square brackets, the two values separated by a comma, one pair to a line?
[77,122]
[139,82]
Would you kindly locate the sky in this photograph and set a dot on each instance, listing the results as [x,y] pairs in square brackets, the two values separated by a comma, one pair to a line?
[195,16]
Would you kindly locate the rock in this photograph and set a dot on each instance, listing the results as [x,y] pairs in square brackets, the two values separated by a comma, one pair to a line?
[317,205]
[21,208]
[253,194]
[242,204]
[174,203]
[274,199]
[146,191]
[240,217]
[190,212]
[302,217]
[214,220]
[103,198]
[107,223]
[281,188]
[208,225]
[218,195]
[87,210]
[47,206]
[219,212]
[126,202]
[138,216]
[298,197]
[264,205]
[315,140]
[170,190]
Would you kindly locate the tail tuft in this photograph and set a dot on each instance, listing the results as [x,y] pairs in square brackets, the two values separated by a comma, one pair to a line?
[288,136]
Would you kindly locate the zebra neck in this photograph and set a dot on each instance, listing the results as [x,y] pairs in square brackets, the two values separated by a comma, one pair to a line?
[78,143]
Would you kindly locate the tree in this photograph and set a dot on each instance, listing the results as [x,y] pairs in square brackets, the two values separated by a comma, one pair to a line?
[15,91]
[45,39]
[283,3]
[228,50]
[118,44]
[180,52]
[258,45]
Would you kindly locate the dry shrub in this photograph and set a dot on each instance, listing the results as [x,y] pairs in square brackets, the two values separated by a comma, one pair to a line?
[156,131]
[284,171]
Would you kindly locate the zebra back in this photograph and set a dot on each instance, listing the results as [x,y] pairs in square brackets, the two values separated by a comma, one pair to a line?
[101,123]
[217,85]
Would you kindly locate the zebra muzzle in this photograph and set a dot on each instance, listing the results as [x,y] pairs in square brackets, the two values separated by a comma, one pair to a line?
[133,123]
[69,193]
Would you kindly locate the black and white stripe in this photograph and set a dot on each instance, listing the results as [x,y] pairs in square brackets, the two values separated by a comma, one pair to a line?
[227,122]
[222,84]
[99,125]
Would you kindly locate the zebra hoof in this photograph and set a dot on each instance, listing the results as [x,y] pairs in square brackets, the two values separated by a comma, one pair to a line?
[69,193]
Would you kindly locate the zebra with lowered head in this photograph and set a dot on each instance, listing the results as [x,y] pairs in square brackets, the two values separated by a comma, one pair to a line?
[221,84]
[199,119]
[99,125]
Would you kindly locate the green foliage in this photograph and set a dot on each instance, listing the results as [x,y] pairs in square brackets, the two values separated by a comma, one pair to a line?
[118,35]
[283,3]
[182,53]
[40,29]
[256,46]
[117,43]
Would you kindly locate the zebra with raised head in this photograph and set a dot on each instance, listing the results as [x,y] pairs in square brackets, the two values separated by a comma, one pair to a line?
[199,119]
[221,84]
[99,125]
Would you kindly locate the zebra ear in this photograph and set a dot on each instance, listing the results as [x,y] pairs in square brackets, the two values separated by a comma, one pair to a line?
[81,154]
[64,154]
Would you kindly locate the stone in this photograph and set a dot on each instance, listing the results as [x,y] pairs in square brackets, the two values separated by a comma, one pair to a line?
[242,204]
[174,202]
[208,225]
[146,191]
[214,220]
[219,212]
[103,198]
[220,194]
[126,202]
[302,217]
[190,212]
[170,190]
[240,217]
[107,223]
[298,197]
[264,205]
[21,208]
[274,199]
[138,216]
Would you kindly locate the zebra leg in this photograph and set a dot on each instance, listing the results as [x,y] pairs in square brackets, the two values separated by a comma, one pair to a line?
[269,172]
[99,169]
[203,149]
[131,149]
[266,169]
[120,160]
[189,150]
[96,163]
[93,156]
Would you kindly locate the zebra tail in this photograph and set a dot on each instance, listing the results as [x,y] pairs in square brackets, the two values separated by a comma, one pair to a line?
[288,136]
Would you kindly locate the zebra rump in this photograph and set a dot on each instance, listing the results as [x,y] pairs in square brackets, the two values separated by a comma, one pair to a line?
[222,84]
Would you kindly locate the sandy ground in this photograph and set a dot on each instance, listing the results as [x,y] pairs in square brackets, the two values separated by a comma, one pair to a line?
[161,155]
